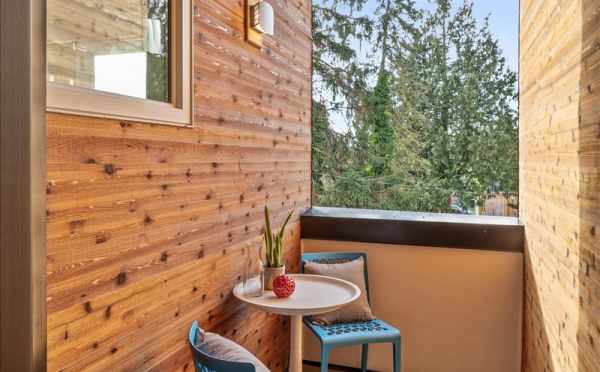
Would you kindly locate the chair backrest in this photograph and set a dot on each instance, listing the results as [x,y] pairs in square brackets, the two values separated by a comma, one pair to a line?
[206,363]
[337,257]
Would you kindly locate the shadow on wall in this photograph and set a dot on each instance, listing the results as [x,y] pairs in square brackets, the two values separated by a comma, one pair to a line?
[536,345]
[588,330]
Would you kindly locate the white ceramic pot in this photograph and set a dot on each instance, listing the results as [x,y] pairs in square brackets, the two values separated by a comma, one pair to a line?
[270,274]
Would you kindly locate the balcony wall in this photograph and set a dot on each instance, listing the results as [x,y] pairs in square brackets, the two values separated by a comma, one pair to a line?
[453,285]
[459,310]
[148,225]
[559,183]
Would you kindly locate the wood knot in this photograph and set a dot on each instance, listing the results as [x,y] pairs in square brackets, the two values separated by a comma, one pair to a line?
[110,169]
[101,239]
[87,306]
[75,224]
[121,278]
[164,256]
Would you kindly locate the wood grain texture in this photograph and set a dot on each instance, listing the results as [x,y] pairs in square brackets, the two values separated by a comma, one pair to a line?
[560,163]
[149,225]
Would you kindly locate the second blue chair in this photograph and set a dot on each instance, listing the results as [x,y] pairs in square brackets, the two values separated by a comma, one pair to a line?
[346,334]
[205,362]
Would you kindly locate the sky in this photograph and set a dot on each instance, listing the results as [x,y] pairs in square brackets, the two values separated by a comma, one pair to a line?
[504,24]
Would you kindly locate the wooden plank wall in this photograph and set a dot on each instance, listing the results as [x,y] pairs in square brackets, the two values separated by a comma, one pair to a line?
[148,225]
[560,168]
[589,190]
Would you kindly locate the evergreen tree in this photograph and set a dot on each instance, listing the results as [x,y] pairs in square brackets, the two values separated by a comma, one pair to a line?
[432,111]
[378,118]
[396,20]
[457,81]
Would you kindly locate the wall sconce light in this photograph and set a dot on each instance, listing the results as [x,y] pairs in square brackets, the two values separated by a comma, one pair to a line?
[261,17]
[260,21]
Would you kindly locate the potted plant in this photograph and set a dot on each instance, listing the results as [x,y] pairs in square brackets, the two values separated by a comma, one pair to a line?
[273,250]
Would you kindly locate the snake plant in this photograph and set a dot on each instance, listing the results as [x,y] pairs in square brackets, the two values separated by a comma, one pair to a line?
[274,241]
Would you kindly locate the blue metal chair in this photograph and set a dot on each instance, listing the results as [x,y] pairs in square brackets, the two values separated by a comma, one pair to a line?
[346,334]
[206,363]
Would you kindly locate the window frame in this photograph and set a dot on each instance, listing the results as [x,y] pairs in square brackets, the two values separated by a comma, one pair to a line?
[90,102]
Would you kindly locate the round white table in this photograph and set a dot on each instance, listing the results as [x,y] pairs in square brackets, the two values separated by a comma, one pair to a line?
[314,294]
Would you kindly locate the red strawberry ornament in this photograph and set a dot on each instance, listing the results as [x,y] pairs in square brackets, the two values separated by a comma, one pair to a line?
[283,286]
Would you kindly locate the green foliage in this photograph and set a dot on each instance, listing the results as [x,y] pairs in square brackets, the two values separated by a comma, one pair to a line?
[378,116]
[274,241]
[157,77]
[431,111]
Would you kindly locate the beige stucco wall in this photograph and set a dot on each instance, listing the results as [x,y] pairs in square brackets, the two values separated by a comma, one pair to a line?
[458,310]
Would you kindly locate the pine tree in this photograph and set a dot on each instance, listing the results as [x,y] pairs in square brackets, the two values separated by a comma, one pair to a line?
[378,118]
[432,113]
[457,83]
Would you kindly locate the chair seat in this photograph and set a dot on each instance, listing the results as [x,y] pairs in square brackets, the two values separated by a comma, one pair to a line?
[372,331]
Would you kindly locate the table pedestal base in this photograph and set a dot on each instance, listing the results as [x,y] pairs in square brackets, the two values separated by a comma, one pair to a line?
[296,343]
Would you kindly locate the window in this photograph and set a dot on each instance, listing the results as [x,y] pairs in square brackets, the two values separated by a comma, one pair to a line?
[415,105]
[127,59]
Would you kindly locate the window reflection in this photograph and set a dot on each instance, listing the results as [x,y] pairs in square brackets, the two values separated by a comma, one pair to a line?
[116,46]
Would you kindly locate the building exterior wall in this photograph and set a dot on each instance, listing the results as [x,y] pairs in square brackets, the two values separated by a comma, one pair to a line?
[559,165]
[149,225]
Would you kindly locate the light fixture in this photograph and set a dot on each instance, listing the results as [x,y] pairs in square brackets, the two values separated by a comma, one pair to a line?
[260,20]
[261,17]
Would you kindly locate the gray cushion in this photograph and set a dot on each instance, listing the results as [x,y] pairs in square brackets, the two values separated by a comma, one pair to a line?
[352,271]
[222,348]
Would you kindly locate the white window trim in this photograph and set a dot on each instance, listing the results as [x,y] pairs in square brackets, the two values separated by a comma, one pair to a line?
[95,103]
